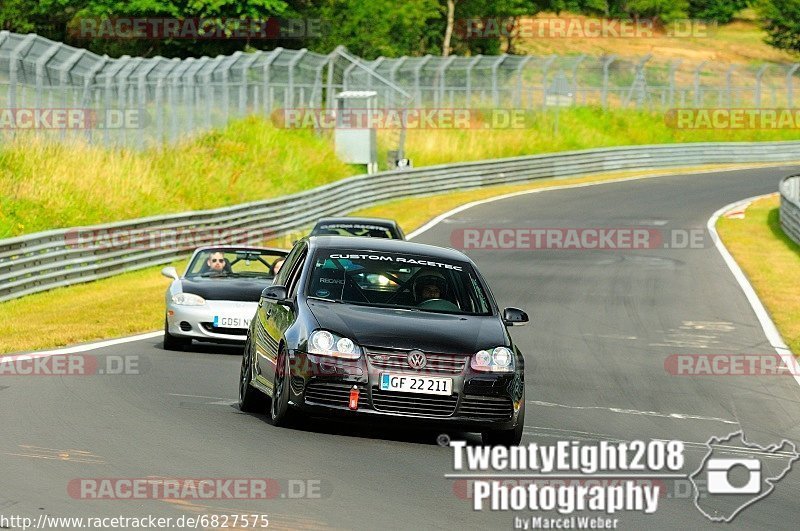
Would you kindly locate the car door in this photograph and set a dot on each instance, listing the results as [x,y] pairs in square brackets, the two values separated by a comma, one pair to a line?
[275,318]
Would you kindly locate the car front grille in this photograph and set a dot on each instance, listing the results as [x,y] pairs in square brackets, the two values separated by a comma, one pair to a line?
[297,384]
[414,404]
[336,394]
[209,327]
[486,407]
[398,360]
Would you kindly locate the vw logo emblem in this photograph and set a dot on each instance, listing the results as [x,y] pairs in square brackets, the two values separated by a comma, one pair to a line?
[417,359]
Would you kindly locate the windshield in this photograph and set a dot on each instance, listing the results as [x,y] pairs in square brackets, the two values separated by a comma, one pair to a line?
[236,263]
[353,229]
[392,280]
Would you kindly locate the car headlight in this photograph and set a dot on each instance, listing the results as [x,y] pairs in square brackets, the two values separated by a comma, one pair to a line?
[327,343]
[499,359]
[188,299]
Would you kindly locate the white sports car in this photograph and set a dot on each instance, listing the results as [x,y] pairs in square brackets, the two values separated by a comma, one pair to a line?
[218,294]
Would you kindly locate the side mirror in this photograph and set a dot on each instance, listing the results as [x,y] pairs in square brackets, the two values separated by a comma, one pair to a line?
[514,316]
[170,272]
[277,294]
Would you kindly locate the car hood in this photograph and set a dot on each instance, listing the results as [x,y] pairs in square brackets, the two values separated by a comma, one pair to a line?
[409,329]
[226,289]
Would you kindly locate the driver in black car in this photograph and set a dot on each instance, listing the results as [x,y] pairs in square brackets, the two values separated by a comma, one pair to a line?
[429,286]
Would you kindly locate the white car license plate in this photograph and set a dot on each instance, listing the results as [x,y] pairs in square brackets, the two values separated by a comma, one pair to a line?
[408,383]
[231,322]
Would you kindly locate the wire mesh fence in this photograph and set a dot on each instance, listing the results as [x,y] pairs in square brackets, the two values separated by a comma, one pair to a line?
[63,92]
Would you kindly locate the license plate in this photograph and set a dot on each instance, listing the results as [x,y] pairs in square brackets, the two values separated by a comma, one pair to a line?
[231,322]
[408,383]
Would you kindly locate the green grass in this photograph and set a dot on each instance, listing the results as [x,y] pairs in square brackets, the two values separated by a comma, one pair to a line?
[118,306]
[46,185]
[49,185]
[771,261]
[578,128]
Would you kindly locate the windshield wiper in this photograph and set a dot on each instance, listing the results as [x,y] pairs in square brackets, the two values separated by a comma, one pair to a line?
[324,299]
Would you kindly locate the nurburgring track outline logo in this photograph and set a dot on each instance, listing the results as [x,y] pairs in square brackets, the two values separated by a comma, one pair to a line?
[718,486]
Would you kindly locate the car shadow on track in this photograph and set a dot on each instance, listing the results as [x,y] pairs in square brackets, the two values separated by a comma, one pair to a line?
[362,429]
[211,348]
[388,431]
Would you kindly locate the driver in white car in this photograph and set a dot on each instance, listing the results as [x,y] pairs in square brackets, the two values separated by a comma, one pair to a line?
[216,264]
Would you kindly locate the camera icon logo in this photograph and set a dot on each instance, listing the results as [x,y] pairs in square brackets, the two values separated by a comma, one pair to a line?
[719,471]
[736,473]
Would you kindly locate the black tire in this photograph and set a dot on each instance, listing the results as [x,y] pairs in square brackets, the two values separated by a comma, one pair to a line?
[251,400]
[280,412]
[510,437]
[172,342]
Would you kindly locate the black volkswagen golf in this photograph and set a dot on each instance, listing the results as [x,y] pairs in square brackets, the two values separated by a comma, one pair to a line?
[385,329]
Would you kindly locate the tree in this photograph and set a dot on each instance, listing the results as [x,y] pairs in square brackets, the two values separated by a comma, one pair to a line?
[663,10]
[32,16]
[500,20]
[70,13]
[448,32]
[781,20]
[16,15]
[721,11]
[370,28]
[488,23]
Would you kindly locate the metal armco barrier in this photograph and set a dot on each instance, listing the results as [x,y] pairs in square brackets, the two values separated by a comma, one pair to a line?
[790,207]
[46,260]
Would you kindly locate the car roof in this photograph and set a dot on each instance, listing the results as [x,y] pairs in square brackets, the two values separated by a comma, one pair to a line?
[366,221]
[385,245]
[238,248]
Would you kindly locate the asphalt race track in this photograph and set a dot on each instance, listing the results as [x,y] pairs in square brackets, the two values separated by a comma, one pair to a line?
[603,322]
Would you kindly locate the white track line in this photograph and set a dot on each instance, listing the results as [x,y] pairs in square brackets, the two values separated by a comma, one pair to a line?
[80,348]
[770,330]
[218,398]
[678,416]
[438,219]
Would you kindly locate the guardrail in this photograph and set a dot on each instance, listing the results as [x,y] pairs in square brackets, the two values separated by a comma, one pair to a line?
[46,260]
[790,207]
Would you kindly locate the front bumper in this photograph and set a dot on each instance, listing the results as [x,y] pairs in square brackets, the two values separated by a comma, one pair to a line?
[480,401]
[198,322]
